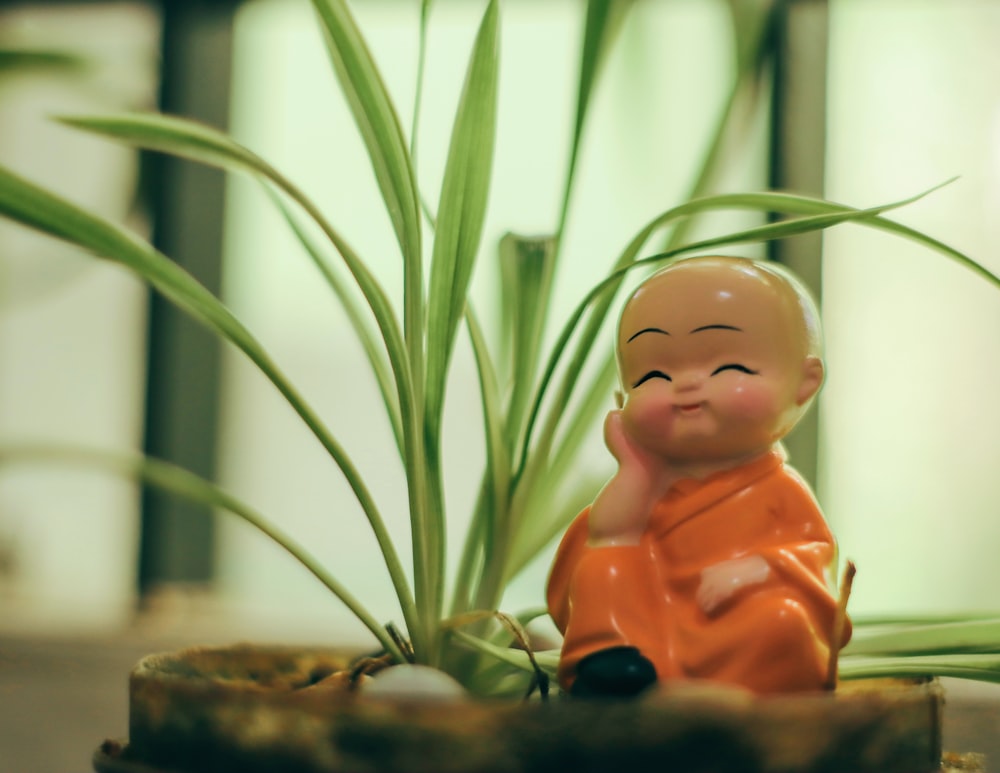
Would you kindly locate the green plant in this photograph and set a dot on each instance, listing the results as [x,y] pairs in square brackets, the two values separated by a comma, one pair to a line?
[532,439]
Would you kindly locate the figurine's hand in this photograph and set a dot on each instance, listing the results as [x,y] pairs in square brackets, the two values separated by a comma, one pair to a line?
[632,458]
[621,510]
[721,581]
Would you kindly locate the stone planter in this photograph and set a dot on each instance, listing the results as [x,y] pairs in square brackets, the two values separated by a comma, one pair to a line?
[253,709]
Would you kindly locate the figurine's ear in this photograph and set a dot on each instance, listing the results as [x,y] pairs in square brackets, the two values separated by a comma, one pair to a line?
[812,379]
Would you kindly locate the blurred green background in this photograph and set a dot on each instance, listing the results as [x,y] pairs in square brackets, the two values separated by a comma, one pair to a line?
[892,97]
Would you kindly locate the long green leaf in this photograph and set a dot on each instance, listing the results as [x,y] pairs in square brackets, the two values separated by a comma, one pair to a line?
[191,488]
[751,72]
[206,145]
[788,203]
[603,19]
[601,25]
[548,510]
[753,50]
[418,91]
[548,660]
[382,133]
[816,214]
[984,668]
[522,265]
[197,142]
[461,211]
[373,350]
[418,100]
[491,674]
[526,265]
[28,204]
[754,56]
[496,530]
[462,207]
[558,512]
[941,638]
[497,457]
[867,623]
[471,562]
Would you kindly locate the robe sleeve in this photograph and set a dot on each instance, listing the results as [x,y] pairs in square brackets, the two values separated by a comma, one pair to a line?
[602,597]
[806,555]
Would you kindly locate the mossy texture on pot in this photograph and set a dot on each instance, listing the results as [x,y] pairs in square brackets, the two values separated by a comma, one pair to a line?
[254,709]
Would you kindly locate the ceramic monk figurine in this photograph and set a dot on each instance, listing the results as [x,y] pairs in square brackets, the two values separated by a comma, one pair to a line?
[705,556]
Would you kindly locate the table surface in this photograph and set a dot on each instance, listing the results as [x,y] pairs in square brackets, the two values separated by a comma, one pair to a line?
[61,697]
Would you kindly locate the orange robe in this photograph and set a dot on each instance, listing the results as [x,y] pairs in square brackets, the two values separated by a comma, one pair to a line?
[769,637]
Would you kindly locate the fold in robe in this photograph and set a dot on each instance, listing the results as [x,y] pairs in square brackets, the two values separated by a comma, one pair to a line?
[773,636]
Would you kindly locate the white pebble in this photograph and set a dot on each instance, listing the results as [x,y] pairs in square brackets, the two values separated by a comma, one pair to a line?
[412,682]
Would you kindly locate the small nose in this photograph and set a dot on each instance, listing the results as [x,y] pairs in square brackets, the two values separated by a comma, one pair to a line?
[687,381]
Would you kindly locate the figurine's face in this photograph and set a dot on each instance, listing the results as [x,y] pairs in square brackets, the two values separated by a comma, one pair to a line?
[714,362]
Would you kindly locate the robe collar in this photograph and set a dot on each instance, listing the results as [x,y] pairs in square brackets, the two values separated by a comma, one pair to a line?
[689,496]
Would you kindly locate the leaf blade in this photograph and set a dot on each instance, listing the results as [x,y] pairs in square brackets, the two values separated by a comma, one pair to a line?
[373,353]
[984,668]
[192,488]
[970,636]
[382,133]
[189,139]
[460,218]
[601,25]
[816,214]
[493,505]
[31,205]
[204,144]
[462,206]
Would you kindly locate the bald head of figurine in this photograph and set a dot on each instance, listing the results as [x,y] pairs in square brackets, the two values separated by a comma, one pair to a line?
[719,357]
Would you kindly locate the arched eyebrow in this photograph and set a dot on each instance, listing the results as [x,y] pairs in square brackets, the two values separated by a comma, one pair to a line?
[647,330]
[717,327]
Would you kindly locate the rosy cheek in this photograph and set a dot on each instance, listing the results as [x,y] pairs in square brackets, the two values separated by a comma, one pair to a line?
[648,412]
[760,399]
[749,399]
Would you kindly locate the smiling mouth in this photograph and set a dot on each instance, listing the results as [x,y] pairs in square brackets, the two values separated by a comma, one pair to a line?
[689,408]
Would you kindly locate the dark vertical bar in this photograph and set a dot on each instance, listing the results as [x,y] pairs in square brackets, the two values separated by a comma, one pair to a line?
[798,163]
[177,543]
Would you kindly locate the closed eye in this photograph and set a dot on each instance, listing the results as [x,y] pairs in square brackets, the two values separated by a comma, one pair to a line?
[650,375]
[735,366]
